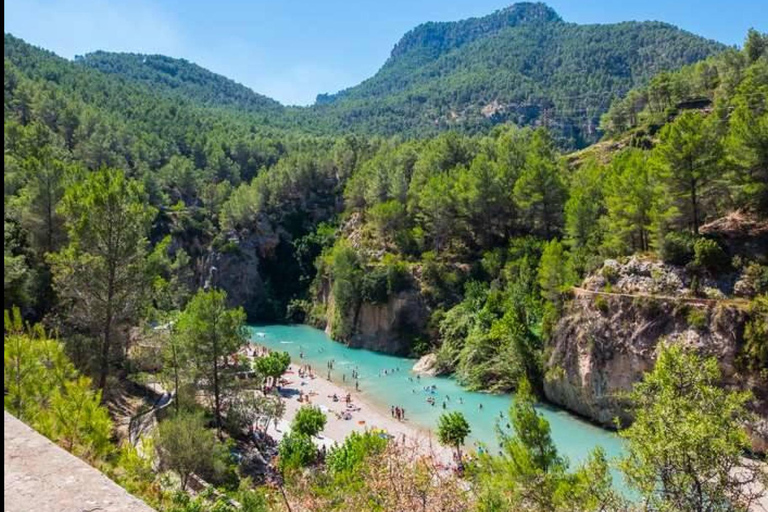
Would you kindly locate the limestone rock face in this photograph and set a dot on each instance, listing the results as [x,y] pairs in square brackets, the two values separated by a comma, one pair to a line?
[236,268]
[426,365]
[386,327]
[604,343]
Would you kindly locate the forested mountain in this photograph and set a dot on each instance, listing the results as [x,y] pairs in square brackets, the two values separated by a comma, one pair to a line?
[181,77]
[520,64]
[150,208]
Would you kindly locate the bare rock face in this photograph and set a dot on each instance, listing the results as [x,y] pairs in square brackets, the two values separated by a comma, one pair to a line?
[426,365]
[387,327]
[235,268]
[604,343]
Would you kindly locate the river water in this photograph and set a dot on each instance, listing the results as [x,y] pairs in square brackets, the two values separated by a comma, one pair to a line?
[574,437]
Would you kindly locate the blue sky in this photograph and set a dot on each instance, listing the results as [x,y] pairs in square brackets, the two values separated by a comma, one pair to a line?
[291,50]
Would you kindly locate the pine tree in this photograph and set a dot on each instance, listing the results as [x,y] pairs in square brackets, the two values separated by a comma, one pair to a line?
[99,273]
[688,160]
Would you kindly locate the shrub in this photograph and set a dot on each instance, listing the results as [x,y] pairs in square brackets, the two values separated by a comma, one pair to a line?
[610,273]
[398,277]
[677,248]
[356,447]
[296,450]
[373,286]
[709,255]
[308,421]
[601,304]
[755,353]
[697,318]
[756,276]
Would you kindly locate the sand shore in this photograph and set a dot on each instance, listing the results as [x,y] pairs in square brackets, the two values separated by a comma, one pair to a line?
[364,415]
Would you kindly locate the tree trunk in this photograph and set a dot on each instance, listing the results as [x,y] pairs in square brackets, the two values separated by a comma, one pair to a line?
[217,404]
[105,346]
[175,376]
[107,340]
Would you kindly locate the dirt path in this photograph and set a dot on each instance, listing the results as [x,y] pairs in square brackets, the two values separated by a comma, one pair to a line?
[581,292]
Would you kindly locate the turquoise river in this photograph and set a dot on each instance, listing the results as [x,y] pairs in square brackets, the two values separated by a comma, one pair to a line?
[574,437]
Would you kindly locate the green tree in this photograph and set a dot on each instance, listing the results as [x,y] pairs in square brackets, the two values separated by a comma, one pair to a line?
[344,459]
[629,198]
[552,275]
[452,430]
[685,446]
[539,191]
[34,367]
[747,140]
[43,192]
[273,365]
[688,159]
[756,45]
[186,447]
[211,333]
[75,419]
[296,451]
[530,474]
[582,212]
[99,274]
[309,421]
[17,275]
[44,390]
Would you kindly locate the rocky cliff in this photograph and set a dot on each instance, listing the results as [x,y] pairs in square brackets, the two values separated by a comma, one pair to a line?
[236,267]
[389,327]
[606,341]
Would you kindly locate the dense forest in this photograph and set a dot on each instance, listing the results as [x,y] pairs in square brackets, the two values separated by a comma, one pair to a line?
[521,64]
[143,191]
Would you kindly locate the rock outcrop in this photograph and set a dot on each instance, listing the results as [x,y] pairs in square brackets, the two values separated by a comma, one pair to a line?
[388,327]
[606,341]
[236,268]
[426,365]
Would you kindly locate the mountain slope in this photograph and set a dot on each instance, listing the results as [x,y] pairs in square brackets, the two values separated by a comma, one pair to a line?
[182,77]
[522,63]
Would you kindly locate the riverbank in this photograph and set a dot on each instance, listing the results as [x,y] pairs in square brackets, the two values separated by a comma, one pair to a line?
[362,415]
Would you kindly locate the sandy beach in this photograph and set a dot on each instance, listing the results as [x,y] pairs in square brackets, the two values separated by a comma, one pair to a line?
[363,414]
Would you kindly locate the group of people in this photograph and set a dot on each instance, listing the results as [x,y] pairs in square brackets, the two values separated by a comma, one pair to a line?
[386,372]
[397,412]
[305,370]
[347,398]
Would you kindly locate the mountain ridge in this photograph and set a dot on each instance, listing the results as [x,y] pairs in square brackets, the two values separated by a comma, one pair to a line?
[521,64]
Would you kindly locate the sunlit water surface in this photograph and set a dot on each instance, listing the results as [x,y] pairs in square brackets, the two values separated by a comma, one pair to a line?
[575,438]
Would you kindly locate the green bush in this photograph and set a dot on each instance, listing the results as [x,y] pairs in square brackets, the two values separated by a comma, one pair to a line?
[610,273]
[398,277]
[601,304]
[677,248]
[709,255]
[755,352]
[697,318]
[308,421]
[296,450]
[373,286]
[356,447]
[757,277]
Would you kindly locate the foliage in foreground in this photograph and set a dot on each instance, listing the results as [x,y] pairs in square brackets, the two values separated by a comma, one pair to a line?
[685,448]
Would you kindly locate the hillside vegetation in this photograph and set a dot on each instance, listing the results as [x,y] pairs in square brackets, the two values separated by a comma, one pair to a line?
[522,64]
[151,208]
